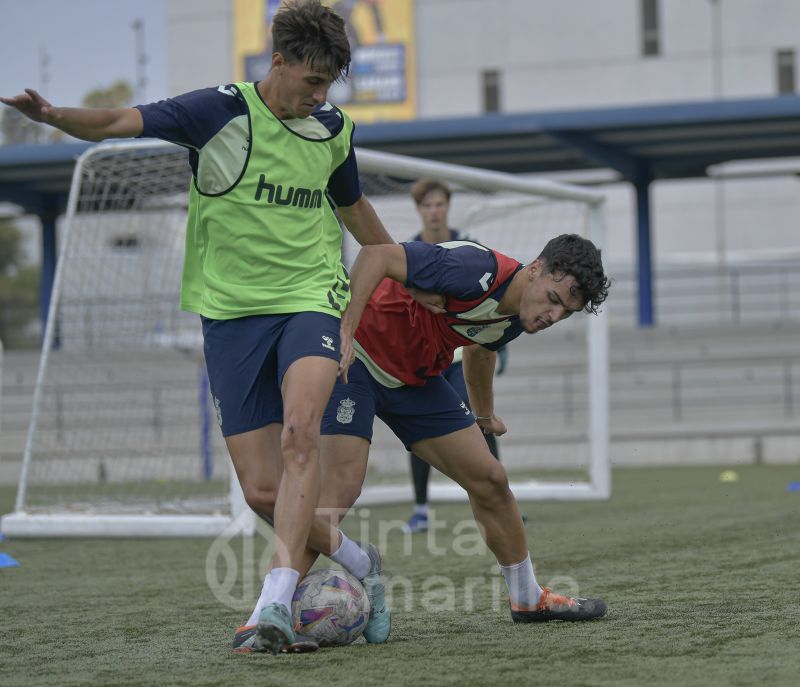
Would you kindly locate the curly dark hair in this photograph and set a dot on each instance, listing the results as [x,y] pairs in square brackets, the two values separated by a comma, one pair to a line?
[570,254]
[307,30]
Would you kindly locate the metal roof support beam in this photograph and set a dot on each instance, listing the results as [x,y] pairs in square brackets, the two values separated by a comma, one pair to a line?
[605,155]
[31,202]
[636,172]
[644,253]
[47,207]
[49,255]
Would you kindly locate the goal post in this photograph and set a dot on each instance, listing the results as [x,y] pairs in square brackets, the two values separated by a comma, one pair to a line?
[516,215]
[122,439]
[118,441]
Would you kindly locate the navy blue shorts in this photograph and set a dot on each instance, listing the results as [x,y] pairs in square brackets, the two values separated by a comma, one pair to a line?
[455,377]
[411,412]
[247,357]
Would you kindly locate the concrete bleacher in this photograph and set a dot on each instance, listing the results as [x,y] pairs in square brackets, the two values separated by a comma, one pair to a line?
[705,394]
[16,400]
[713,394]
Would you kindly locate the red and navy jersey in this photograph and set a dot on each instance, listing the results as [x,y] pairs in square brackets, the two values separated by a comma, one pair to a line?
[403,343]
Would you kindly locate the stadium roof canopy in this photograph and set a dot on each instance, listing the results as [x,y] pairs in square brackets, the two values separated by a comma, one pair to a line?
[673,141]
[639,144]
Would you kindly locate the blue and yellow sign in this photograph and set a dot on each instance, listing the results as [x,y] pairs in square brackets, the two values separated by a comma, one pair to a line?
[381,84]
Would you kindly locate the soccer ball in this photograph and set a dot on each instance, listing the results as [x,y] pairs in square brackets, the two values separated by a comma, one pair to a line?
[330,606]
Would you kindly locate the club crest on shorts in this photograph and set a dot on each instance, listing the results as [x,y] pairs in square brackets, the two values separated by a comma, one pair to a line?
[327,342]
[345,411]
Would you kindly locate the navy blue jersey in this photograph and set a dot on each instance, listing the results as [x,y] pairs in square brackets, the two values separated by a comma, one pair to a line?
[403,343]
[215,123]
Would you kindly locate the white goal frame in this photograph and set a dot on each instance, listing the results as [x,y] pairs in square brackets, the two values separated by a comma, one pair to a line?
[599,485]
[24,524]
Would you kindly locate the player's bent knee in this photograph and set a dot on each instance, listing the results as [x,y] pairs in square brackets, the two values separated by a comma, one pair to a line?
[349,495]
[259,499]
[298,460]
[498,479]
[299,441]
[302,421]
[492,484]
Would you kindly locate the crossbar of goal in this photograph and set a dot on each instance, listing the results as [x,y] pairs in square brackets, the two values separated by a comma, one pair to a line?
[23,523]
[599,484]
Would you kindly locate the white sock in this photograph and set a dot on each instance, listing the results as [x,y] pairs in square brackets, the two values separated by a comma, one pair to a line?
[421,509]
[279,586]
[521,581]
[351,557]
[253,619]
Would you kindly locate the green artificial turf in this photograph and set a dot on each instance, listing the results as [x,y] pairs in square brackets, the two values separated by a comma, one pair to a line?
[701,578]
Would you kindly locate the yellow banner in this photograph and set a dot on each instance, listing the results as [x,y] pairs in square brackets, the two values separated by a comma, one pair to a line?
[381,85]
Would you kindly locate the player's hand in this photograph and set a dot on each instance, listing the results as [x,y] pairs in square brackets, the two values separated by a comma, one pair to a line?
[32,105]
[492,426]
[347,354]
[428,300]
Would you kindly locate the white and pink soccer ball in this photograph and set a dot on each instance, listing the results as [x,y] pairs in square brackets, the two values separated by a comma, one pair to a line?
[330,606]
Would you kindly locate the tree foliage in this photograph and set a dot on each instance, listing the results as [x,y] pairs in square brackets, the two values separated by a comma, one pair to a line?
[118,94]
[19,290]
[10,246]
[17,128]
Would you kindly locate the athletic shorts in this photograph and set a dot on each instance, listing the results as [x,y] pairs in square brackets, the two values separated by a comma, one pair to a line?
[455,378]
[247,358]
[411,412]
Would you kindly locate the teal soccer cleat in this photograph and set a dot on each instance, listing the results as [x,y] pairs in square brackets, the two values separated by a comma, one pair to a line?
[380,617]
[275,630]
[246,640]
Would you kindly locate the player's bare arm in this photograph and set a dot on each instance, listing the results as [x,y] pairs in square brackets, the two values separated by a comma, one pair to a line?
[373,264]
[479,364]
[427,299]
[88,124]
[366,227]
[363,223]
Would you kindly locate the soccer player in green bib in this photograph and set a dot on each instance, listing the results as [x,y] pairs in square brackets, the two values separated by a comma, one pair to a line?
[263,270]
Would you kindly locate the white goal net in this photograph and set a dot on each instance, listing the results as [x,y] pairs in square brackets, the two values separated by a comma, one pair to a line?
[123,439]
[553,392]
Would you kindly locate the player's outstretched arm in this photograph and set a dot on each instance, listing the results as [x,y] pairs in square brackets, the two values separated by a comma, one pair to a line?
[479,363]
[363,223]
[89,124]
[373,264]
